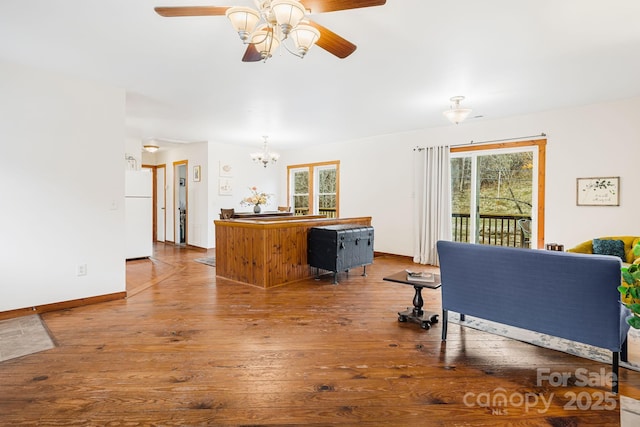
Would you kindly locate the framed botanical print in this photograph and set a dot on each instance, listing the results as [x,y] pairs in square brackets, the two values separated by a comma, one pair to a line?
[602,191]
[225,186]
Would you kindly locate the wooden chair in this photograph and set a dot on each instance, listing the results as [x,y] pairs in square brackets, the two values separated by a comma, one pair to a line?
[284,208]
[227,213]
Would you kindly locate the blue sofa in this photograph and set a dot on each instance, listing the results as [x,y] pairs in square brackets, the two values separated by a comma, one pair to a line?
[567,295]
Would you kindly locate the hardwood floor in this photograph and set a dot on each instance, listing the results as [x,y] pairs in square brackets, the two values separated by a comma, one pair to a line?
[187,349]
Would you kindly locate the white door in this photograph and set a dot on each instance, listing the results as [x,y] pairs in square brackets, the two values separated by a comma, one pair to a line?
[161,203]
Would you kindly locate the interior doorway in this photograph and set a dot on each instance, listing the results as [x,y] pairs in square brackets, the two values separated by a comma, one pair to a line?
[180,202]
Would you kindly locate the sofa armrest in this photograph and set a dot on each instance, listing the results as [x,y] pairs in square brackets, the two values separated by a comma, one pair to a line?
[583,248]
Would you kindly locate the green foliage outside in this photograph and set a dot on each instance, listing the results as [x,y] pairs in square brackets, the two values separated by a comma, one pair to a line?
[505,184]
[504,196]
[327,188]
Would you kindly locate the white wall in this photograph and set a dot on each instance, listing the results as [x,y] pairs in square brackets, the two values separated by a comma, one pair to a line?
[246,174]
[61,186]
[589,141]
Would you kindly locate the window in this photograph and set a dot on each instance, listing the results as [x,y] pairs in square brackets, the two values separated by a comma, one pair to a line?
[314,188]
[497,193]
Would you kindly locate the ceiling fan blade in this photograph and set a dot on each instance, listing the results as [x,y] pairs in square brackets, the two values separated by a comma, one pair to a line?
[333,43]
[170,12]
[318,6]
[251,54]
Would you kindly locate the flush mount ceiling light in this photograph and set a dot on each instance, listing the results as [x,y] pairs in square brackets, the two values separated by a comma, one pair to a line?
[274,23]
[264,157]
[150,147]
[455,113]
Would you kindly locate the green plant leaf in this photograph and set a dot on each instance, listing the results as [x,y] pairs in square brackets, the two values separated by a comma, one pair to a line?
[636,250]
[628,277]
[634,322]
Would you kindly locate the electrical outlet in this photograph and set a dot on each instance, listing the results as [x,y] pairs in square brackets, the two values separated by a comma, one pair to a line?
[81,270]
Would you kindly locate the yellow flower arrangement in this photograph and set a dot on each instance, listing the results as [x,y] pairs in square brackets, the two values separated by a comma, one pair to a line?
[256,198]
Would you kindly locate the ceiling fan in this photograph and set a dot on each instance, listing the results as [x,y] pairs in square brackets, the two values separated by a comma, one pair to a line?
[277,21]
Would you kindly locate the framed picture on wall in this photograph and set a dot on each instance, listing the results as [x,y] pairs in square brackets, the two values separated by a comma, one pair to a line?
[225,169]
[196,173]
[601,191]
[225,186]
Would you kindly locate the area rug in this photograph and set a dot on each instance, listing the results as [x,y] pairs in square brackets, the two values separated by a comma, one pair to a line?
[554,343]
[23,335]
[209,261]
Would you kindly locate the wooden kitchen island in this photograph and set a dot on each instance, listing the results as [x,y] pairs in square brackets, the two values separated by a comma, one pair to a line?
[270,251]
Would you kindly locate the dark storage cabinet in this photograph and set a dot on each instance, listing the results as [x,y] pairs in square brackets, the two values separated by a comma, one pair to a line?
[340,247]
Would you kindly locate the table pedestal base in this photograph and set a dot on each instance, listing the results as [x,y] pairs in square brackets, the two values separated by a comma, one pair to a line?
[417,314]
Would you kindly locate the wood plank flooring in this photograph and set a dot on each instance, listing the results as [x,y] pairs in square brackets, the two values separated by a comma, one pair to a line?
[187,349]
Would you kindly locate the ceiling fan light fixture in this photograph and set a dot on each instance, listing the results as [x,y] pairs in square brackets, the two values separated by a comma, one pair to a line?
[455,113]
[287,13]
[243,20]
[304,37]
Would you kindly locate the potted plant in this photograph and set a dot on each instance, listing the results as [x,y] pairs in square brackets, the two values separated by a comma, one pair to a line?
[630,289]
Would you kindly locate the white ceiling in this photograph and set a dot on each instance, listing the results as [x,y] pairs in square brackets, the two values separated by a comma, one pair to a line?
[185,80]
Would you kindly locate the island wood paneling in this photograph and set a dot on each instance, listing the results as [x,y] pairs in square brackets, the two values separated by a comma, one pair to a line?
[270,252]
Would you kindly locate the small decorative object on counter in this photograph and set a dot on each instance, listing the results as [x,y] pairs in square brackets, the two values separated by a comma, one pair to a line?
[256,199]
[555,247]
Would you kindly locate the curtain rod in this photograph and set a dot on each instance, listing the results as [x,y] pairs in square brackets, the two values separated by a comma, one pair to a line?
[501,140]
[472,142]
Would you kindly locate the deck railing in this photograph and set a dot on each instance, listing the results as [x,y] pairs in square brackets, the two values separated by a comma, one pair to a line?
[328,212]
[499,230]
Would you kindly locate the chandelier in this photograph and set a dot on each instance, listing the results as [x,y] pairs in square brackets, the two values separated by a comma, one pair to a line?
[455,113]
[275,22]
[264,157]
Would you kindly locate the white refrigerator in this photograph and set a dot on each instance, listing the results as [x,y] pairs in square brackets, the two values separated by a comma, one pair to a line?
[138,206]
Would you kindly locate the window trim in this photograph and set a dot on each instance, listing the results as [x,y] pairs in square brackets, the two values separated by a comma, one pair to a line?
[312,185]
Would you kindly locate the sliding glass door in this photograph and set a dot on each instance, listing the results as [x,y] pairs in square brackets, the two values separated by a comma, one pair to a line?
[495,194]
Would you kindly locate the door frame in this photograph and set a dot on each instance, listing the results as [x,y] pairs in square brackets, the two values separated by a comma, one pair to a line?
[176,188]
[154,171]
[541,146]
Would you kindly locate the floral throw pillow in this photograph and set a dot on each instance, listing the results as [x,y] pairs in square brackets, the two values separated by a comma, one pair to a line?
[609,247]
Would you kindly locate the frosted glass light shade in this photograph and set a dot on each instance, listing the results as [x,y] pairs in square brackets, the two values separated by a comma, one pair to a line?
[288,14]
[265,42]
[457,115]
[243,20]
[304,36]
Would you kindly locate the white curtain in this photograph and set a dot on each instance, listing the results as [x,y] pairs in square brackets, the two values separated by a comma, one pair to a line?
[432,210]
